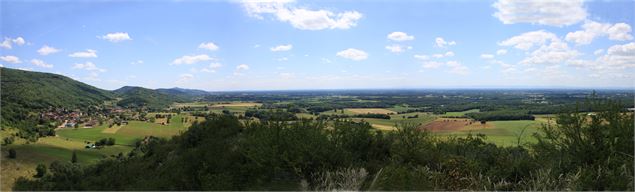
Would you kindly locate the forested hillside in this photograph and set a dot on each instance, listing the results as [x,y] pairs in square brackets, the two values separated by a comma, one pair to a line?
[25,91]
[139,96]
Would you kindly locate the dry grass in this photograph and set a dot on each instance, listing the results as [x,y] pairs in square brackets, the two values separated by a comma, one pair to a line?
[384,127]
[370,110]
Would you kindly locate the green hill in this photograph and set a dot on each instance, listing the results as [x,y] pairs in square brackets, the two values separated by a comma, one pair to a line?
[139,96]
[25,91]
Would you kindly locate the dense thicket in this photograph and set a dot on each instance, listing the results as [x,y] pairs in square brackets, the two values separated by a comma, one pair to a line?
[222,153]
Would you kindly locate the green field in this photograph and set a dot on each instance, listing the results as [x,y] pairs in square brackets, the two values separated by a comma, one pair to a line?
[503,133]
[389,124]
[127,134]
[460,113]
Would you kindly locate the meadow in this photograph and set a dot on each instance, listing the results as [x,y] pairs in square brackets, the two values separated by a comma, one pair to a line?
[61,147]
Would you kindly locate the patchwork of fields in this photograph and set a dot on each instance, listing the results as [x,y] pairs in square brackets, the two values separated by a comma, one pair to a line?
[61,147]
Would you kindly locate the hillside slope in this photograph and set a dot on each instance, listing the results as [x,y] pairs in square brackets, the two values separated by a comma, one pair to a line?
[139,96]
[25,91]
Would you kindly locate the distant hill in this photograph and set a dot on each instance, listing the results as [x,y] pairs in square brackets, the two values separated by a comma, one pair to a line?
[183,92]
[25,91]
[139,96]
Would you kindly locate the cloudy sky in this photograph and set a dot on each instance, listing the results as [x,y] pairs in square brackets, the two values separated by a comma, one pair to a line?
[246,45]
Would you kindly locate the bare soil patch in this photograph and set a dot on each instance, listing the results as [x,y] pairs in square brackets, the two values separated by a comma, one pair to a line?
[450,124]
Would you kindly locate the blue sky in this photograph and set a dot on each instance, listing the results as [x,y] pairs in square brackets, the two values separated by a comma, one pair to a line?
[256,45]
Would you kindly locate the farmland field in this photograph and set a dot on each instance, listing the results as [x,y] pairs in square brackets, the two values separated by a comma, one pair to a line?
[503,133]
[237,104]
[460,113]
[369,110]
[126,134]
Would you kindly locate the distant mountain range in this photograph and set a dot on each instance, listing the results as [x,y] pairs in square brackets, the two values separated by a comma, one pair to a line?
[25,91]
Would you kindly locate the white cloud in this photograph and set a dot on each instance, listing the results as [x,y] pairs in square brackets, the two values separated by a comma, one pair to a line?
[191,59]
[487,56]
[440,42]
[89,53]
[598,52]
[619,56]
[7,43]
[553,12]
[501,52]
[116,37]
[302,18]
[397,48]
[88,66]
[325,60]
[242,67]
[10,59]
[41,63]
[528,40]
[400,36]
[457,68]
[211,68]
[453,67]
[442,55]
[209,46]
[620,32]
[283,59]
[432,64]
[286,47]
[615,63]
[46,50]
[592,29]
[422,57]
[184,78]
[353,54]
[137,62]
[556,52]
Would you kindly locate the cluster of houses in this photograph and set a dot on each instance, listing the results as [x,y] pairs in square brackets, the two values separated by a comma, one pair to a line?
[73,118]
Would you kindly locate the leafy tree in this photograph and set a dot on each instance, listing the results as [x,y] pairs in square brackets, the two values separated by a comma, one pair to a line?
[12,153]
[40,170]
[74,157]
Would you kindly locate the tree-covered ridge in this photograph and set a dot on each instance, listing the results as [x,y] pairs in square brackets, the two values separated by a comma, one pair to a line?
[222,153]
[26,91]
[143,97]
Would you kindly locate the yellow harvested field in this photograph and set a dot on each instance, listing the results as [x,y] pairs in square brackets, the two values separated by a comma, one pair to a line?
[370,110]
[112,130]
[237,105]
[384,127]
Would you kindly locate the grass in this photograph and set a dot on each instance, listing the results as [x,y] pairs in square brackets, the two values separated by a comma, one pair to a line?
[461,113]
[502,133]
[127,134]
[389,124]
[45,151]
